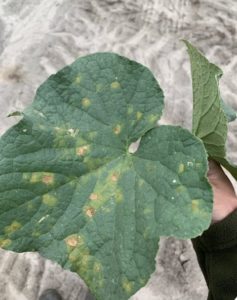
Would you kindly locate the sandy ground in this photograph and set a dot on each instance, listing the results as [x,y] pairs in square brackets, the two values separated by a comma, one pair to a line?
[37,38]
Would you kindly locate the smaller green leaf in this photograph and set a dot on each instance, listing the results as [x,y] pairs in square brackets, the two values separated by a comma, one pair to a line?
[210,113]
[229,112]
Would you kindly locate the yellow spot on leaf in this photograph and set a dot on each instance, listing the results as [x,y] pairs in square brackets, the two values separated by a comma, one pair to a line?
[93,196]
[117,129]
[93,163]
[152,118]
[73,256]
[5,243]
[86,102]
[35,177]
[73,240]
[85,261]
[138,115]
[181,168]
[50,200]
[48,178]
[78,253]
[80,256]
[90,211]
[13,227]
[97,267]
[78,79]
[195,205]
[114,177]
[127,286]
[180,189]
[115,85]
[82,150]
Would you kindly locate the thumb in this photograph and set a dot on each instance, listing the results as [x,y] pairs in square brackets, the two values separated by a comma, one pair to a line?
[215,172]
[218,179]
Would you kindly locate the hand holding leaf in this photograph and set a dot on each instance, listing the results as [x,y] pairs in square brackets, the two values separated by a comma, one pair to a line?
[71,190]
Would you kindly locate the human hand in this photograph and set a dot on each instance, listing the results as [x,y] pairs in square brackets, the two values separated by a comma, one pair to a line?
[225,199]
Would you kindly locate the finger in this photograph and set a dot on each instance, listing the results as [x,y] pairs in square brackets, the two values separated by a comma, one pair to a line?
[215,171]
[219,180]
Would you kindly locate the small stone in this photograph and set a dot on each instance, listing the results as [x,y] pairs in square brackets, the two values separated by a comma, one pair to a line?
[183,258]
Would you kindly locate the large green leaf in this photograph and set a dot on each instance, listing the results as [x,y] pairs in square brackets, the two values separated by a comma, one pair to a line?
[210,114]
[70,189]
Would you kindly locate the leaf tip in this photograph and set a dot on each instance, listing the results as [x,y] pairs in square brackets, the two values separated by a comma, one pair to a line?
[15,114]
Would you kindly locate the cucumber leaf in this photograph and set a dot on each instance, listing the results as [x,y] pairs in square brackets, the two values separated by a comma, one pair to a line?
[71,190]
[210,115]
